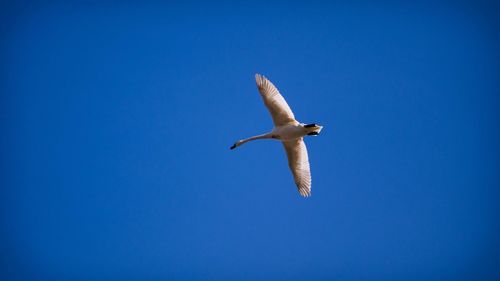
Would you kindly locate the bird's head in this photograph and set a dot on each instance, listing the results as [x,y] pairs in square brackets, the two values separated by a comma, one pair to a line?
[313,129]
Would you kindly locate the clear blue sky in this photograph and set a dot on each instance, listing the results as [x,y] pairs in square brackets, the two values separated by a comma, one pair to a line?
[117,121]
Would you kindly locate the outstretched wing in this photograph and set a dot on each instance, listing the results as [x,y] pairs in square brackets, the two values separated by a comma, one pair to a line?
[274,101]
[298,161]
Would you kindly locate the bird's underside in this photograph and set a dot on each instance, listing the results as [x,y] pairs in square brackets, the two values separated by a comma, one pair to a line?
[289,131]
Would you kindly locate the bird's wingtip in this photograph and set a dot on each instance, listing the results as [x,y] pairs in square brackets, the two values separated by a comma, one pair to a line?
[305,193]
[259,76]
[260,79]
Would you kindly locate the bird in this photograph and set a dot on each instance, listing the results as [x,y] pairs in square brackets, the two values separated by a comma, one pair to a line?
[289,131]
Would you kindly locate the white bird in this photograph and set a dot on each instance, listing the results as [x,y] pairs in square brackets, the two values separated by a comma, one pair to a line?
[289,131]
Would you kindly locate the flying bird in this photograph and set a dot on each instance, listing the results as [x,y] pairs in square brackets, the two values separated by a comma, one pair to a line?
[287,130]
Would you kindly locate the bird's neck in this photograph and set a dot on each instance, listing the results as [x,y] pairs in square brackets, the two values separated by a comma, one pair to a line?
[263,136]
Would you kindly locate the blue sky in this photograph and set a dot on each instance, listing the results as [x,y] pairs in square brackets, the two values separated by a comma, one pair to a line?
[117,121]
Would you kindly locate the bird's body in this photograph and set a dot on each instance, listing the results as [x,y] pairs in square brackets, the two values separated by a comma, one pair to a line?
[289,131]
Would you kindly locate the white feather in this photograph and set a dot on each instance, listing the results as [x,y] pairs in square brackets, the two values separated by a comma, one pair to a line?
[289,131]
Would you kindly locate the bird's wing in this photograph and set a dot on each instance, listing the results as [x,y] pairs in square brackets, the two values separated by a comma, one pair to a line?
[299,164]
[274,101]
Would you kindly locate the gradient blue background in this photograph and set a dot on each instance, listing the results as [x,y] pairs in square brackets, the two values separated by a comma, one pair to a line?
[117,119]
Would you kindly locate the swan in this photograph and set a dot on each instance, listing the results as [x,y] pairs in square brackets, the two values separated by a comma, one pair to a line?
[287,130]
